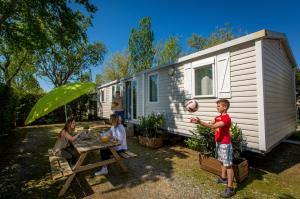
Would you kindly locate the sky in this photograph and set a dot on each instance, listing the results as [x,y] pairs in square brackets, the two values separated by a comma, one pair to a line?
[114,20]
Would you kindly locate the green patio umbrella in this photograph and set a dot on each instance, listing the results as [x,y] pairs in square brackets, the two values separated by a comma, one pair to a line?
[58,97]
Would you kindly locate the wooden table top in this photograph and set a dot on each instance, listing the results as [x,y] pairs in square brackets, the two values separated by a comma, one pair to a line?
[91,142]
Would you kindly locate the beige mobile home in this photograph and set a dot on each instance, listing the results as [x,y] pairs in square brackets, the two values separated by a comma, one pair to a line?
[255,72]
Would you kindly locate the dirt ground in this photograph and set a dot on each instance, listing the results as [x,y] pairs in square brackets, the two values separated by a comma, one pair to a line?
[171,172]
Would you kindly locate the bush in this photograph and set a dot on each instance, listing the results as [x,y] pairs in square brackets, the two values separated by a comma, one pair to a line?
[25,104]
[148,125]
[8,101]
[203,141]
[86,126]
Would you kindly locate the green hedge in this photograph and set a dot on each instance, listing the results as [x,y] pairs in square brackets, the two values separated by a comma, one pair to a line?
[8,102]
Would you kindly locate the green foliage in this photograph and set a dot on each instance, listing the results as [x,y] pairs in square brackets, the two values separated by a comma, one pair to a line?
[62,64]
[25,103]
[203,141]
[99,79]
[141,46]
[237,141]
[78,107]
[8,101]
[148,125]
[86,126]
[16,66]
[168,52]
[220,35]
[30,26]
[116,67]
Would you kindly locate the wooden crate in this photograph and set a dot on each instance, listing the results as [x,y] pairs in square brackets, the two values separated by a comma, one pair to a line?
[212,165]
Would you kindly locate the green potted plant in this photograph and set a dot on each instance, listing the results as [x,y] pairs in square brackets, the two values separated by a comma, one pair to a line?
[86,128]
[148,128]
[203,141]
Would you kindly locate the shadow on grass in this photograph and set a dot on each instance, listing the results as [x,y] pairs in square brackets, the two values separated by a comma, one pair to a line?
[280,159]
[150,165]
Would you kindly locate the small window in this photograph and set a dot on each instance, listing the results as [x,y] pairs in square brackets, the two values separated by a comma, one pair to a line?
[113,92]
[102,95]
[204,81]
[153,88]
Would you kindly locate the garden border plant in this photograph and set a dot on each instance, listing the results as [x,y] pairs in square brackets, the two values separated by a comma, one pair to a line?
[148,128]
[203,141]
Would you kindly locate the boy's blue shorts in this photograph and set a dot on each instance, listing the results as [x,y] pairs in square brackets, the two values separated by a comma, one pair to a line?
[224,153]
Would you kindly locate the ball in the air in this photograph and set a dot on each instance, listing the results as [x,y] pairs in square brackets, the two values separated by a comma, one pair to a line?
[191,106]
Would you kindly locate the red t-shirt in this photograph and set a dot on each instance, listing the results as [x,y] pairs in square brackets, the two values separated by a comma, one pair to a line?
[222,134]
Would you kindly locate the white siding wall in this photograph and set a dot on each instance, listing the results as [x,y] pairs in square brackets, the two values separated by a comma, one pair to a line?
[278,76]
[243,108]
[278,88]
[105,107]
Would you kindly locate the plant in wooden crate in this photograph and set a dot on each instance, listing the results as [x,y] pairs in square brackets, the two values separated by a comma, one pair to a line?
[148,128]
[203,141]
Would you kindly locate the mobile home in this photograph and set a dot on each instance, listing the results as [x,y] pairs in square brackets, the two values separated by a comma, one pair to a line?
[255,72]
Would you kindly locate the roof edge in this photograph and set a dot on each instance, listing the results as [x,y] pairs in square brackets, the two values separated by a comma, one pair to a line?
[234,42]
[264,33]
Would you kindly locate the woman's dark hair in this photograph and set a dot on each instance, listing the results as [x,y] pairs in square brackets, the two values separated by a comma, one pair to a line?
[67,124]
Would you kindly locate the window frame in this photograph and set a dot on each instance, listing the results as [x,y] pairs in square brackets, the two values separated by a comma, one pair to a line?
[149,75]
[102,90]
[199,64]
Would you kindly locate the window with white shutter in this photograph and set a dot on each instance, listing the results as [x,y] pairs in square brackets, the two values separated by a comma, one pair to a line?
[203,78]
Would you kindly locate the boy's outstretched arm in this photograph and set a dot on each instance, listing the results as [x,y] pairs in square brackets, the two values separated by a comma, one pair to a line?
[196,120]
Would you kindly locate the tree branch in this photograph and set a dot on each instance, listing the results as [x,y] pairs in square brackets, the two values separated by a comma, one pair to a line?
[8,13]
[19,68]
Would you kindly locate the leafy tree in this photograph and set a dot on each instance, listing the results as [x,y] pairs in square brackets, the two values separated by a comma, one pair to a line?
[141,46]
[117,67]
[61,64]
[220,35]
[99,79]
[27,26]
[169,51]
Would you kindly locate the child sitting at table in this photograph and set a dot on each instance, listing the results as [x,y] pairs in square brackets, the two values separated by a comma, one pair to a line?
[116,131]
[62,146]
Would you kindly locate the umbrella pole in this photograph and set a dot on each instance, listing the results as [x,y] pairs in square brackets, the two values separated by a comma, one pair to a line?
[66,115]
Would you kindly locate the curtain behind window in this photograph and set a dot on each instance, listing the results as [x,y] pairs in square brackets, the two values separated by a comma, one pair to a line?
[203,81]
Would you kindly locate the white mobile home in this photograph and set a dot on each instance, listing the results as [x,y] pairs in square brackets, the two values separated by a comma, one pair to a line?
[255,72]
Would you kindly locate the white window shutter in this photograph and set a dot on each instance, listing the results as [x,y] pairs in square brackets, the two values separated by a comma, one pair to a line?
[223,75]
[121,88]
[188,81]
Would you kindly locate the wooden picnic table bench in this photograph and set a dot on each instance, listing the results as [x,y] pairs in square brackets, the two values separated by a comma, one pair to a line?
[127,154]
[60,167]
[90,143]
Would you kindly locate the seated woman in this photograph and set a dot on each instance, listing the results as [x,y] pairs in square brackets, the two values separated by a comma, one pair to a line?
[62,146]
[116,131]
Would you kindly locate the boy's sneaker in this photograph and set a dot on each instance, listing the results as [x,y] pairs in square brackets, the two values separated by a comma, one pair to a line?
[222,181]
[102,171]
[227,193]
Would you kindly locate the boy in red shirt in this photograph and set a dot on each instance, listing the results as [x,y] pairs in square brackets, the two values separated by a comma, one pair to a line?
[224,150]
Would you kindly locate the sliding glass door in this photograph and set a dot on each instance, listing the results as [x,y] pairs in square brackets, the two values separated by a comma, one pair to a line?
[131,99]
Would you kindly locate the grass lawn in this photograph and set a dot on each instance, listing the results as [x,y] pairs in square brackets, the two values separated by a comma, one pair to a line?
[169,172]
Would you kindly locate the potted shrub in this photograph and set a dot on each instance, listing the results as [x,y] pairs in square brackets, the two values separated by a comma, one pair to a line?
[203,141]
[86,128]
[148,128]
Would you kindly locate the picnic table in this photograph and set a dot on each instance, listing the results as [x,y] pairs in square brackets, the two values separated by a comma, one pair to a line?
[84,145]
